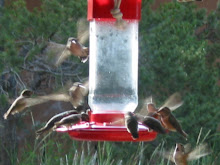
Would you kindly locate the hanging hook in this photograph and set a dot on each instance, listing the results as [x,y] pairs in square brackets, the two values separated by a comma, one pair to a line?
[117,14]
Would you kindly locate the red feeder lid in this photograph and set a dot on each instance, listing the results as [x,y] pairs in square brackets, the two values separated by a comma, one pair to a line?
[100,128]
[101,9]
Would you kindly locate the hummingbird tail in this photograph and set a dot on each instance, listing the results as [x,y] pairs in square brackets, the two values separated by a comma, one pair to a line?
[6,115]
[135,135]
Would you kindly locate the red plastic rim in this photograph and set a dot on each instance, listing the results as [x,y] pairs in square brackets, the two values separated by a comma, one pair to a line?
[101,9]
[101,128]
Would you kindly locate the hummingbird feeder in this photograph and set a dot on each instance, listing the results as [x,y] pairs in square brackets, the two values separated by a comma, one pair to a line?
[113,72]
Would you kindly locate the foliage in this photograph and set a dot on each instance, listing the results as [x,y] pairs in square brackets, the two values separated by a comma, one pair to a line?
[101,153]
[173,58]
[28,31]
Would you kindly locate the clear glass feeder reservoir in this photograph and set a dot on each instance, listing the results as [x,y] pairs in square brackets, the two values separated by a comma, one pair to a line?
[113,68]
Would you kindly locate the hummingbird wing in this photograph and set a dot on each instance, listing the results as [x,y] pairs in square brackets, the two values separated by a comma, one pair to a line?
[82,30]
[42,99]
[64,55]
[53,51]
[148,106]
[200,151]
[169,154]
[173,102]
[187,148]
[55,97]
[17,106]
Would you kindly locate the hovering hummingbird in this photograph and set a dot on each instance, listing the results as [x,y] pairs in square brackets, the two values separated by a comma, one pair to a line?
[22,102]
[131,124]
[152,110]
[50,124]
[152,123]
[149,109]
[169,121]
[74,45]
[76,95]
[182,154]
[71,120]
[188,0]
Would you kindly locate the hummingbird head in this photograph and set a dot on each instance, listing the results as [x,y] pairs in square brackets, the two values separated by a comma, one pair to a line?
[179,148]
[77,84]
[74,86]
[129,114]
[84,117]
[164,111]
[26,93]
[179,154]
[151,107]
[70,41]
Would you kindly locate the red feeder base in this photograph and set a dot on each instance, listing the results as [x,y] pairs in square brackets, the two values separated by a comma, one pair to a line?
[104,127]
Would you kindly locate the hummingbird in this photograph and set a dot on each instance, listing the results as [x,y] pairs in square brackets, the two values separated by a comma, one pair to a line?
[78,92]
[131,124]
[182,154]
[22,102]
[169,121]
[188,0]
[74,45]
[152,123]
[149,108]
[152,110]
[50,124]
[71,120]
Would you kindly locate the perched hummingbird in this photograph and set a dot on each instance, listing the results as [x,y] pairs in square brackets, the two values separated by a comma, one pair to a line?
[188,0]
[72,119]
[74,45]
[182,154]
[169,121]
[131,124]
[152,123]
[50,124]
[22,102]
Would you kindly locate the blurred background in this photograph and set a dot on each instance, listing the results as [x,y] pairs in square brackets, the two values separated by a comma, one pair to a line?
[179,51]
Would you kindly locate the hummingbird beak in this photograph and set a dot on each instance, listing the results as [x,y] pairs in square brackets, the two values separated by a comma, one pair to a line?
[81,86]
